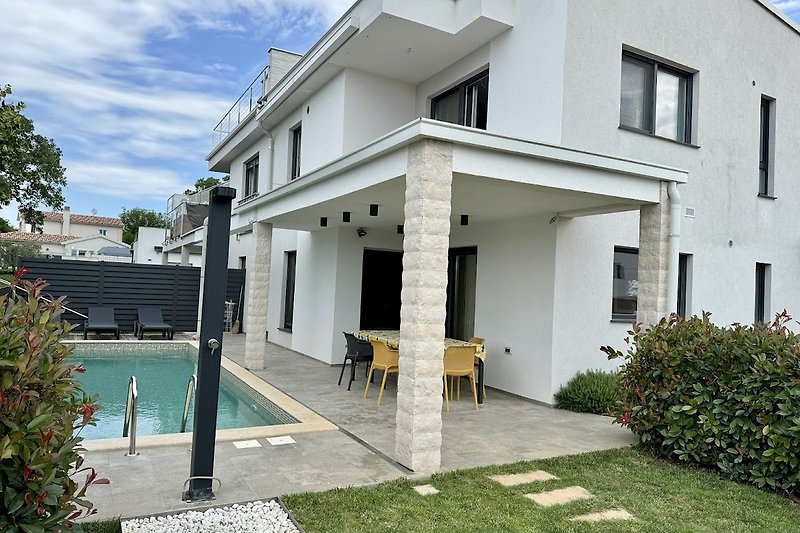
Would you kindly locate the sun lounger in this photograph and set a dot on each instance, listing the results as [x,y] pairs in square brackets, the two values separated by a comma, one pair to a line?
[150,319]
[101,320]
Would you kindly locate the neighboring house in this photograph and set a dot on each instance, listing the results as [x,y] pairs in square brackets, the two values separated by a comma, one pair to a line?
[148,248]
[551,171]
[186,215]
[73,236]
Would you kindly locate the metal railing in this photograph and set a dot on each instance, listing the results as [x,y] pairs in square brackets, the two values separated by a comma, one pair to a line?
[46,299]
[241,109]
[191,388]
[129,427]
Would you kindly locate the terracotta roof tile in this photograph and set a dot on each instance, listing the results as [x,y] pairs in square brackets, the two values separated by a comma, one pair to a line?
[57,216]
[36,237]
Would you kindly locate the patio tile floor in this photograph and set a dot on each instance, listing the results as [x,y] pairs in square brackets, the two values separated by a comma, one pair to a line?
[506,429]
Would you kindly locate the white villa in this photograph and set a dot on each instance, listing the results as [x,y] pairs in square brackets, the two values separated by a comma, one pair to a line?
[539,174]
[73,236]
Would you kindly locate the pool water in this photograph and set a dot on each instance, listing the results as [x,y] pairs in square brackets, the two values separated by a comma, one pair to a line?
[161,381]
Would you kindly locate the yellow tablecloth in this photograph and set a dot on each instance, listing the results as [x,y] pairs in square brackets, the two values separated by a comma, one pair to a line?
[392,338]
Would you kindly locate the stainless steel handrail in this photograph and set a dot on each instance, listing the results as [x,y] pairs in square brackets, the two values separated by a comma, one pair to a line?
[191,388]
[45,298]
[241,109]
[130,416]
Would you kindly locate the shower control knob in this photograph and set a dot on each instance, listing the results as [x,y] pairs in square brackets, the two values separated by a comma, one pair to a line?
[213,344]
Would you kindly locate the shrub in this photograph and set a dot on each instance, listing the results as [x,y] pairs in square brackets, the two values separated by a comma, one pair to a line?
[594,392]
[42,410]
[11,252]
[725,398]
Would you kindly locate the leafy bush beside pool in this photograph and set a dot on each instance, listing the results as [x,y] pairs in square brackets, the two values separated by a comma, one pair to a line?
[42,410]
[593,391]
[722,397]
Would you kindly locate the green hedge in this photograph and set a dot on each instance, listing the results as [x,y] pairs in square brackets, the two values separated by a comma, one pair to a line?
[593,391]
[721,397]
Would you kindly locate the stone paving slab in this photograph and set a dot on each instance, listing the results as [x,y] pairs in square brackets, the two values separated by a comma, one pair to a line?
[611,514]
[560,496]
[512,480]
[426,490]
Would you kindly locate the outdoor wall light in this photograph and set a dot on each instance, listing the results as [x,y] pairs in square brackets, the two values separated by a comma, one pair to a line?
[399,229]
[361,232]
[345,216]
[465,220]
[373,210]
[323,221]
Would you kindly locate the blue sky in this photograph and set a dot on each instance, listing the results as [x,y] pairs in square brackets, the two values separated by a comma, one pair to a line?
[130,90]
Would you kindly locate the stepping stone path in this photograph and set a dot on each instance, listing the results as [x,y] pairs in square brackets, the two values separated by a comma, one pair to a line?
[426,490]
[611,514]
[560,496]
[563,496]
[511,480]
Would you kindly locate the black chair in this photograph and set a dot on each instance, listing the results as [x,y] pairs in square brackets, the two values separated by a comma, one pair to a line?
[101,320]
[150,319]
[357,352]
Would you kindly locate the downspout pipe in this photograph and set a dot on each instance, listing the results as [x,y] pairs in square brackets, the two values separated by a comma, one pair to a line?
[674,247]
[268,155]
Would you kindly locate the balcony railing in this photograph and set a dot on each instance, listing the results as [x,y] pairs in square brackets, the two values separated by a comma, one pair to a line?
[240,110]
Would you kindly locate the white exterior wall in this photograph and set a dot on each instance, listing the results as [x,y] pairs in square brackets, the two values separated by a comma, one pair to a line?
[374,106]
[514,300]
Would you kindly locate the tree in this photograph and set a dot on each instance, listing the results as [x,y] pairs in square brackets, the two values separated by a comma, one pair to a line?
[30,164]
[133,219]
[11,251]
[5,226]
[205,183]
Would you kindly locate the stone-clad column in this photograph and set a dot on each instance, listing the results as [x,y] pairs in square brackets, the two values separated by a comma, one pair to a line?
[429,179]
[258,296]
[654,221]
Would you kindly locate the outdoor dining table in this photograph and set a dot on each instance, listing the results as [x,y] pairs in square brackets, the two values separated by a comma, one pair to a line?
[392,339]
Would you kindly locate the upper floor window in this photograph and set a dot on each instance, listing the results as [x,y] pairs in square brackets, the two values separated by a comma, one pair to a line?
[103,232]
[655,98]
[765,170]
[466,104]
[296,138]
[251,177]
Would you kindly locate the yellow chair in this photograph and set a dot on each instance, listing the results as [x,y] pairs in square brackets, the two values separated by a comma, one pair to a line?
[473,340]
[386,359]
[459,361]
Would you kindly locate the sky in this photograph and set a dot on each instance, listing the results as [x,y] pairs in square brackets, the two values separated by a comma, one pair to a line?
[130,90]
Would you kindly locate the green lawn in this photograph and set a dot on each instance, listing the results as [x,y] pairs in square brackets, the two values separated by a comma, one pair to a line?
[663,498]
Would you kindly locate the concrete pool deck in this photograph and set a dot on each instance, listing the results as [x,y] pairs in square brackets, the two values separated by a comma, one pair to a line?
[506,429]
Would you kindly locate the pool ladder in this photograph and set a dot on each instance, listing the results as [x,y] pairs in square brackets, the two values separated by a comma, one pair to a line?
[191,388]
[129,427]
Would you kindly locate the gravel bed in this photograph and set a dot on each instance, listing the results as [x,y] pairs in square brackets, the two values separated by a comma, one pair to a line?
[253,517]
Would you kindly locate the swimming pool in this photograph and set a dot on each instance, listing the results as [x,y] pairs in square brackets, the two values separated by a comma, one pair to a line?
[248,407]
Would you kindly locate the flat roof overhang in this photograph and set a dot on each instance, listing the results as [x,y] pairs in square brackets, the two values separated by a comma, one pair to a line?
[390,38]
[494,178]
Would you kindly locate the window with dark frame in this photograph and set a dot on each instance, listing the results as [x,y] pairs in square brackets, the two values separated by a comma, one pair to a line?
[764,162]
[466,104]
[626,283]
[288,296]
[297,137]
[251,177]
[684,273]
[655,98]
[762,291]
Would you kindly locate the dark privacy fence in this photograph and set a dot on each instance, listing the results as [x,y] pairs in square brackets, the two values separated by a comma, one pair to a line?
[126,286]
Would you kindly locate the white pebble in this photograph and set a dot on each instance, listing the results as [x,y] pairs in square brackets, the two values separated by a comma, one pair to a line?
[254,517]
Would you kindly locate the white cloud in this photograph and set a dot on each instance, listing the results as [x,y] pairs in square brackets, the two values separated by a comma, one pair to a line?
[119,181]
[91,67]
